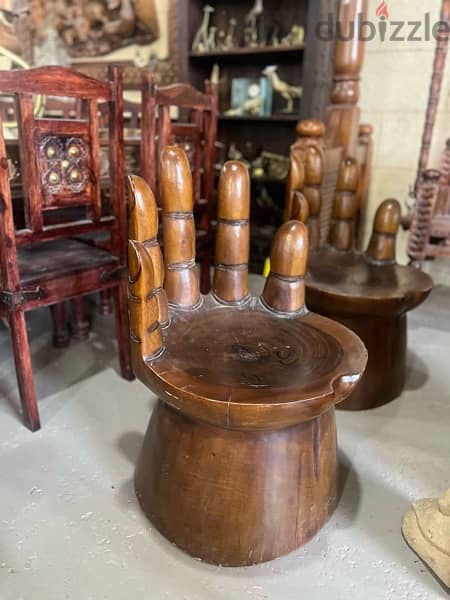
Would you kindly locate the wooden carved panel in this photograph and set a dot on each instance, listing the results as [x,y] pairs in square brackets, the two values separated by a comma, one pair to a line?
[64,165]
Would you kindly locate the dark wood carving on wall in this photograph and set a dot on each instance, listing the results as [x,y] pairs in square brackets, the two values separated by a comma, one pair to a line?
[97,27]
[93,29]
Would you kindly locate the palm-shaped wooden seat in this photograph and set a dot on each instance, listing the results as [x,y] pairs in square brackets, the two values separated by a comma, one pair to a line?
[239,460]
[367,291]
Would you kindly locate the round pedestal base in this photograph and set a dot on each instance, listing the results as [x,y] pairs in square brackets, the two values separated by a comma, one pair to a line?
[237,498]
[385,374]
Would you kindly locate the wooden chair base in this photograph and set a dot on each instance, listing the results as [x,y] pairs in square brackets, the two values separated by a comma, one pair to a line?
[237,498]
[384,378]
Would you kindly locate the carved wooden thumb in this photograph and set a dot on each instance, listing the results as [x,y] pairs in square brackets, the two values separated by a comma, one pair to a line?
[381,247]
[147,300]
[285,287]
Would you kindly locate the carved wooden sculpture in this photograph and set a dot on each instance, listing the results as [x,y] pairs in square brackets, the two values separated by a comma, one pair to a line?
[239,460]
[367,292]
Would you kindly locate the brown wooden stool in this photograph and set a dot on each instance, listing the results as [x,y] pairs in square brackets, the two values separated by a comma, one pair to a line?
[239,460]
[368,292]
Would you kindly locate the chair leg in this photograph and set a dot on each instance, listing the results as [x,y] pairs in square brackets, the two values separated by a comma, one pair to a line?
[80,320]
[122,329]
[24,373]
[106,303]
[61,334]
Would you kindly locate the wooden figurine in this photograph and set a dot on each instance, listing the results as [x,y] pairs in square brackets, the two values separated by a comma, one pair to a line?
[238,464]
[368,292]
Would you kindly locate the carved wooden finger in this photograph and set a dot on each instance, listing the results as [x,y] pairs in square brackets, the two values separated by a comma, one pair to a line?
[300,208]
[385,227]
[309,143]
[295,182]
[314,170]
[146,299]
[181,281]
[232,241]
[143,228]
[345,206]
[285,288]
[310,129]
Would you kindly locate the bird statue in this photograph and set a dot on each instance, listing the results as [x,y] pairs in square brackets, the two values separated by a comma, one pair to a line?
[287,91]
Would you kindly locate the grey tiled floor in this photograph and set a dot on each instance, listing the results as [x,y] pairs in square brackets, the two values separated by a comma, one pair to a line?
[70,526]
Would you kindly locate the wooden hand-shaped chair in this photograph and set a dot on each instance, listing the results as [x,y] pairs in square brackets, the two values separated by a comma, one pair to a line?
[368,292]
[239,460]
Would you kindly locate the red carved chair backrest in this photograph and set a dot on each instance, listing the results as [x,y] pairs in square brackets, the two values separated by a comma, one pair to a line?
[196,134]
[60,157]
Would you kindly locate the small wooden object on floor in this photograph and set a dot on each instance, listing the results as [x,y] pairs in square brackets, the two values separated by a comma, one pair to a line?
[426,528]
[239,460]
[368,292]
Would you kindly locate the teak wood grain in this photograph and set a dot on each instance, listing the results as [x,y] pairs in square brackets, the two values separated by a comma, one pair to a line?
[41,264]
[245,424]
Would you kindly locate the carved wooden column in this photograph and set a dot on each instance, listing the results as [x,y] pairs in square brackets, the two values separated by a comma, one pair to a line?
[435,90]
[342,115]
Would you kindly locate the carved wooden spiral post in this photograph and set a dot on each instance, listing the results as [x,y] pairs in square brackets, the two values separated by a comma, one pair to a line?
[426,198]
[368,292]
[442,205]
[238,464]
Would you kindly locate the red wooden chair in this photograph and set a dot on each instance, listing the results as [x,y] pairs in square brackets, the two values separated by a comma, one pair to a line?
[42,264]
[195,131]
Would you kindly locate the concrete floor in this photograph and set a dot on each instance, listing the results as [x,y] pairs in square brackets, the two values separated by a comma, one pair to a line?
[71,528]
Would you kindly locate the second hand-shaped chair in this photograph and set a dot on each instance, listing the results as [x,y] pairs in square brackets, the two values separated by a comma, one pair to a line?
[368,292]
[238,464]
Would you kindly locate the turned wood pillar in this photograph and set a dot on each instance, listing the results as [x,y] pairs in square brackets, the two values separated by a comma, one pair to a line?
[342,115]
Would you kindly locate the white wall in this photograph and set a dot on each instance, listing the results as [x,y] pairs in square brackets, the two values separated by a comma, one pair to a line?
[394,94]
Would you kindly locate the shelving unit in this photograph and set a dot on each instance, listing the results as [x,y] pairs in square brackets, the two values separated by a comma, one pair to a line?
[308,65]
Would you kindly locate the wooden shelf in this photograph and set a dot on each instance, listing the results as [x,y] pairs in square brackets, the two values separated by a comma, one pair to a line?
[291,118]
[261,51]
